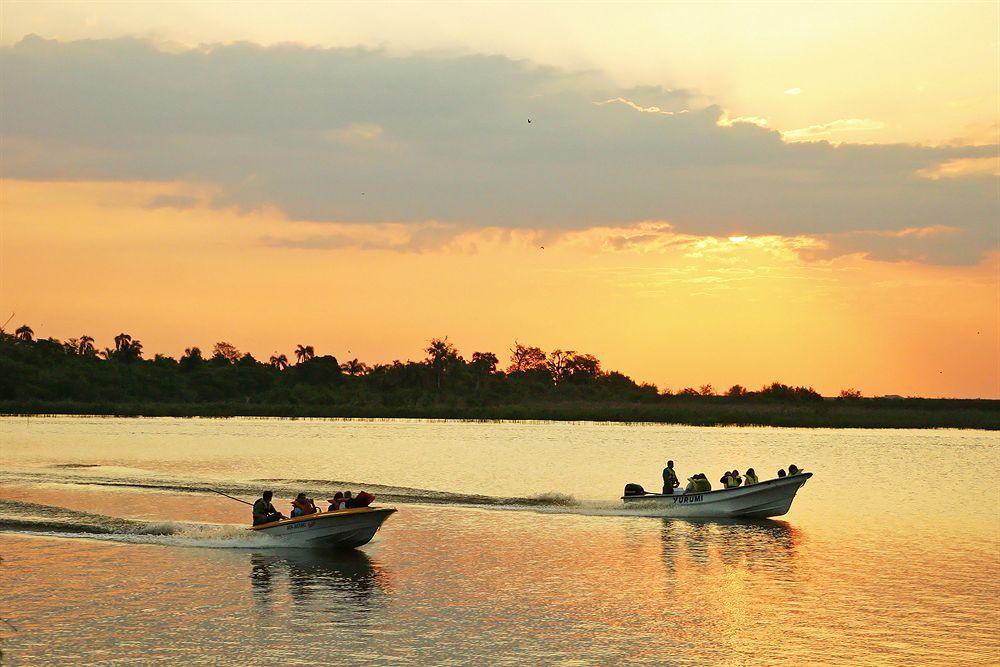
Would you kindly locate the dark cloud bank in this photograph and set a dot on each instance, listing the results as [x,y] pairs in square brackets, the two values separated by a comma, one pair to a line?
[356,135]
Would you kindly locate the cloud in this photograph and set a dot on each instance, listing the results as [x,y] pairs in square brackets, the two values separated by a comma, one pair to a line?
[963,167]
[364,137]
[938,244]
[726,121]
[826,130]
[793,91]
[174,201]
[642,109]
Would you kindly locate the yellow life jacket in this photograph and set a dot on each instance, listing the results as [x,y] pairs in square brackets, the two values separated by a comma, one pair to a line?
[749,479]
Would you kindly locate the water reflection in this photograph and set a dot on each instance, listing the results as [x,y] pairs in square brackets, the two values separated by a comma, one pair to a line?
[752,544]
[314,575]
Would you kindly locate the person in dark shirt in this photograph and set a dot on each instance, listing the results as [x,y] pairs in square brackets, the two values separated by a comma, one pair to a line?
[263,510]
[670,481]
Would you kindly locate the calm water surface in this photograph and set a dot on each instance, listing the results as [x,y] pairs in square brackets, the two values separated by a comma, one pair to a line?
[510,546]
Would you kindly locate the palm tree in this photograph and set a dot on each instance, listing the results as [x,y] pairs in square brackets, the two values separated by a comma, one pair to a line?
[279,361]
[304,353]
[440,355]
[355,367]
[122,342]
[85,346]
[24,333]
[126,348]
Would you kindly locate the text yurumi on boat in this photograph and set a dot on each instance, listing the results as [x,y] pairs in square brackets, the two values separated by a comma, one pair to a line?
[741,496]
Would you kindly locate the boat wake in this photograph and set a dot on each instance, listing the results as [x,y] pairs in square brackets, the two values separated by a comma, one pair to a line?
[282,487]
[124,479]
[49,520]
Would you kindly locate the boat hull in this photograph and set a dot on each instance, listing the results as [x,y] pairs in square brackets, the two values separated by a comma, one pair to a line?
[341,529]
[759,501]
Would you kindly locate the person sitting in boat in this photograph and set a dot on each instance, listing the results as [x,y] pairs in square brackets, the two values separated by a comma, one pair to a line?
[363,499]
[337,502]
[670,481]
[302,506]
[737,480]
[793,470]
[698,483]
[730,480]
[781,473]
[750,477]
[263,510]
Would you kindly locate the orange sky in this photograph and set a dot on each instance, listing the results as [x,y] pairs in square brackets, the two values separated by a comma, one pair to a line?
[708,193]
[667,308]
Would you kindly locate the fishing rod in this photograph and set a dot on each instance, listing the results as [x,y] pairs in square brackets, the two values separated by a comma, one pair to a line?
[231,498]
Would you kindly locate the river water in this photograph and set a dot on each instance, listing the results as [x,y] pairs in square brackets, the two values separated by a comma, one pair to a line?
[510,546]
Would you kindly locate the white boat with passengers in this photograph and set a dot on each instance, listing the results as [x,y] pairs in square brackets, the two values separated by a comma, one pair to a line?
[345,528]
[772,497]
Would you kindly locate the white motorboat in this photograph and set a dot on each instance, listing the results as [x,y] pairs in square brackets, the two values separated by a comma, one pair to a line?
[757,501]
[337,529]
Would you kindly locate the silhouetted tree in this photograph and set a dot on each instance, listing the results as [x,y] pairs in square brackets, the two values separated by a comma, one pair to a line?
[524,358]
[688,391]
[85,346]
[24,333]
[126,349]
[706,390]
[583,367]
[122,341]
[736,391]
[304,353]
[484,364]
[191,359]
[558,364]
[783,392]
[441,355]
[355,367]
[226,352]
[279,361]
[850,394]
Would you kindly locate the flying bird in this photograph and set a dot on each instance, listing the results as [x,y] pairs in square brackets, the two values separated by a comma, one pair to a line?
[529,120]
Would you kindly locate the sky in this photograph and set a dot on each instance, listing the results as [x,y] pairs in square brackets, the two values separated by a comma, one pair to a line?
[705,193]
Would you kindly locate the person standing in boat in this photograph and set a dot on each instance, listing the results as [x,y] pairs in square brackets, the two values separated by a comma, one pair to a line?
[263,510]
[670,481]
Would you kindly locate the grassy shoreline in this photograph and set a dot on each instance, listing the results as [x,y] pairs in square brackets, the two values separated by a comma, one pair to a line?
[916,413]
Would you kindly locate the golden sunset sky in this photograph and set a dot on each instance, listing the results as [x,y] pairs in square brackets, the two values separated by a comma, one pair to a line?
[706,193]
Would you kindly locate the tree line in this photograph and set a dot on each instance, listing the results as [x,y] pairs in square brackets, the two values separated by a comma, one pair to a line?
[77,370]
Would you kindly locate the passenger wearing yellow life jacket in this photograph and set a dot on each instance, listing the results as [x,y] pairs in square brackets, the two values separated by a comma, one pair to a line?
[750,477]
[698,483]
[729,480]
[737,480]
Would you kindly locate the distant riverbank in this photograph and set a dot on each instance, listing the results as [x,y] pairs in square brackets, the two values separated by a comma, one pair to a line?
[49,376]
[867,413]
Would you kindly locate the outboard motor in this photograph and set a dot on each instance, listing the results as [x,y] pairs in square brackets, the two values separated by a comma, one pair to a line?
[634,490]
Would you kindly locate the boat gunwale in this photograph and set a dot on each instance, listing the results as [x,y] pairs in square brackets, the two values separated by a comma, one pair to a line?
[354,511]
[781,480]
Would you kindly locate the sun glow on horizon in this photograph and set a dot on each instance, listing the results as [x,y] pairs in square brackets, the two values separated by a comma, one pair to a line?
[378,294]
